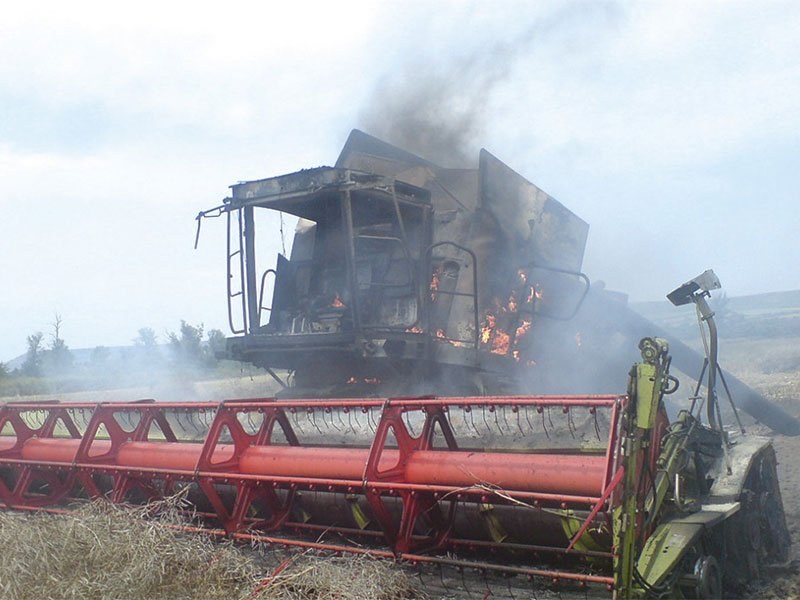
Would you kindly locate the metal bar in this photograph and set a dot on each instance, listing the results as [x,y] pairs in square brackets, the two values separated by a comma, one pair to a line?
[231,294]
[474,295]
[350,259]
[253,305]
[589,400]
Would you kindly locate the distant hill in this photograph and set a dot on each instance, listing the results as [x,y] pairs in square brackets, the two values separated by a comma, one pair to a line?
[775,314]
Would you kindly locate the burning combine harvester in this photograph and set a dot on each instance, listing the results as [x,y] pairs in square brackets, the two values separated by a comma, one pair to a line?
[404,278]
[422,313]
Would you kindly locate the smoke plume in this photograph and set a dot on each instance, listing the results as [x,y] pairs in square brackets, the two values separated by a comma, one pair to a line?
[438,109]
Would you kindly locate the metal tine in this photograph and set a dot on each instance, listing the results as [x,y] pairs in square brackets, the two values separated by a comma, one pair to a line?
[157,427]
[32,420]
[472,423]
[350,421]
[184,429]
[505,418]
[483,414]
[497,419]
[202,419]
[194,416]
[527,418]
[336,414]
[464,582]
[518,423]
[354,414]
[332,424]
[544,425]
[130,414]
[297,422]
[570,424]
[549,418]
[87,418]
[408,424]
[449,422]
[368,417]
[84,418]
[253,427]
[128,419]
[73,414]
[324,419]
[190,415]
[596,426]
[313,418]
[341,420]
[373,424]
[70,416]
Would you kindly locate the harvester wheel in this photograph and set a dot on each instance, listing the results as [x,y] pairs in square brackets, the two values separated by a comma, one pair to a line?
[708,577]
[766,526]
[773,519]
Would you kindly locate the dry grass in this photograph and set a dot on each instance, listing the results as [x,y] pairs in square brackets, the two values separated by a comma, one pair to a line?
[340,578]
[102,551]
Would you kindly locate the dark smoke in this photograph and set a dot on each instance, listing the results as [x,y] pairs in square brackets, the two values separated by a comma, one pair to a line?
[438,109]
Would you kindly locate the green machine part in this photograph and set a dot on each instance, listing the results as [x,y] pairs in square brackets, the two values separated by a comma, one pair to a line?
[644,568]
[646,386]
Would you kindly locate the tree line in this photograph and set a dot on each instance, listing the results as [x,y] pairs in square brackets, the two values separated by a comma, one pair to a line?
[50,364]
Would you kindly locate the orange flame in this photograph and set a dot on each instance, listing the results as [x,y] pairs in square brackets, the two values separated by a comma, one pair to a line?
[368,380]
[522,330]
[337,301]
[501,342]
[488,326]
[414,329]
[434,287]
[512,303]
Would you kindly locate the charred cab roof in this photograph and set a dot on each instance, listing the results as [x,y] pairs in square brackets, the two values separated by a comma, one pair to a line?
[305,192]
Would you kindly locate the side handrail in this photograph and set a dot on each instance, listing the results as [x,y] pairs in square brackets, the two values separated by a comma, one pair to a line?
[473,294]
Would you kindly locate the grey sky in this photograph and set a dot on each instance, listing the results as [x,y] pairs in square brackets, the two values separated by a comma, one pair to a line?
[672,128]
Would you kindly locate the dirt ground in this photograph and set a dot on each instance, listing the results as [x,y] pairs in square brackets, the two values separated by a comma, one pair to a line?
[772,367]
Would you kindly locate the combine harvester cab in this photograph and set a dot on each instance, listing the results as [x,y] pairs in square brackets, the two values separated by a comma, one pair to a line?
[421,313]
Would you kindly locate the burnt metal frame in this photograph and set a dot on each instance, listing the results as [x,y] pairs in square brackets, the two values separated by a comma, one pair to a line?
[230,275]
[252,301]
[578,274]
[84,457]
[473,295]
